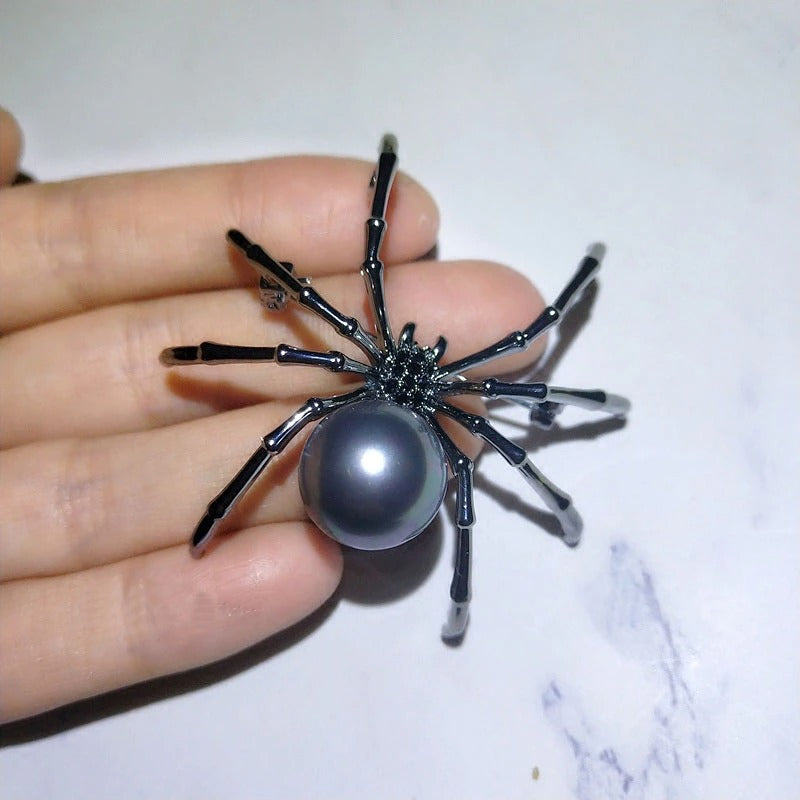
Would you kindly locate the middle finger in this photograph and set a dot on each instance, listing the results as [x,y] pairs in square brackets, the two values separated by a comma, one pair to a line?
[99,374]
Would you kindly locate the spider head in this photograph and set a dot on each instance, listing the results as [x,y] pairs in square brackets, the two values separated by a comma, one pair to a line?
[407,376]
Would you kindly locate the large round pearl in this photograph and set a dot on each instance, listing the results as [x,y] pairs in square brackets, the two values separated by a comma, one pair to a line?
[373,475]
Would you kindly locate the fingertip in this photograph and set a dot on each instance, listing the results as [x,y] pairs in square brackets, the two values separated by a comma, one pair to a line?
[330,560]
[317,222]
[414,215]
[517,302]
[470,303]
[10,147]
[285,570]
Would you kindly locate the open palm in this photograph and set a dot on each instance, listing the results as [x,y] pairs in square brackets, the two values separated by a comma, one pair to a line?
[108,459]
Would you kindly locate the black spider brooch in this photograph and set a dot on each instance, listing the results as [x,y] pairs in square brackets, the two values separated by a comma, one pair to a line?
[374,471]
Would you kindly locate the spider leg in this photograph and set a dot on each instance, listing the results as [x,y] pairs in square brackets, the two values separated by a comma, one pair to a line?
[372,268]
[543,414]
[214,353]
[273,297]
[460,588]
[407,334]
[271,445]
[520,340]
[534,394]
[558,501]
[299,290]
[439,348]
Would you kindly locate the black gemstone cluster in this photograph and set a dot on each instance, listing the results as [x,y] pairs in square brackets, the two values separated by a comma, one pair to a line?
[407,377]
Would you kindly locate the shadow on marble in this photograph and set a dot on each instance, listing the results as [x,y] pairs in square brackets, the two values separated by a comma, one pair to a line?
[383,576]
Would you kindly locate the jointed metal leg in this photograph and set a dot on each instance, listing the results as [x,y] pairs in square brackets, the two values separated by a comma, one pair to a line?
[543,414]
[407,337]
[407,333]
[536,393]
[590,399]
[558,501]
[299,291]
[272,295]
[460,588]
[271,445]
[520,340]
[439,348]
[372,268]
[214,353]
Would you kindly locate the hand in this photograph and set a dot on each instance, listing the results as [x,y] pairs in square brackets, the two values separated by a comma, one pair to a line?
[108,459]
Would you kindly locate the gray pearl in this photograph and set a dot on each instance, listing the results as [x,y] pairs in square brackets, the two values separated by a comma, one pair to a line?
[373,475]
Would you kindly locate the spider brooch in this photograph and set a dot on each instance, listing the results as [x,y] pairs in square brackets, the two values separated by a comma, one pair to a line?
[374,471]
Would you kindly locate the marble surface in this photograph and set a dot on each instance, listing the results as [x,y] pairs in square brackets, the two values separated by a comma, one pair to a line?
[660,658]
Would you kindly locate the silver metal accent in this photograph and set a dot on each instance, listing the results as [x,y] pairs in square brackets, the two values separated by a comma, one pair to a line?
[273,297]
[591,400]
[215,353]
[461,586]
[557,500]
[549,318]
[271,445]
[372,268]
[302,293]
[537,394]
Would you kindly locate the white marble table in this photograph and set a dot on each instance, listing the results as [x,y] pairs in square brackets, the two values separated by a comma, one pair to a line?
[659,659]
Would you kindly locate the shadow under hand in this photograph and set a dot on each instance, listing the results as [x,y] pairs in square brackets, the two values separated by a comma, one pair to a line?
[93,709]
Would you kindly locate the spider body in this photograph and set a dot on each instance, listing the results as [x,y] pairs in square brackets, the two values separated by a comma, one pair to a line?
[374,471]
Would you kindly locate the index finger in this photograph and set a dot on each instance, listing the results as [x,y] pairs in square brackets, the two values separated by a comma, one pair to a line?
[68,247]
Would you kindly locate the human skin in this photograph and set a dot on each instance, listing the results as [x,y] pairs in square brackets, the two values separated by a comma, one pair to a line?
[108,458]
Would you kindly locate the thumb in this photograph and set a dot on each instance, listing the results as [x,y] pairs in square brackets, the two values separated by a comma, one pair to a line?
[10,147]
